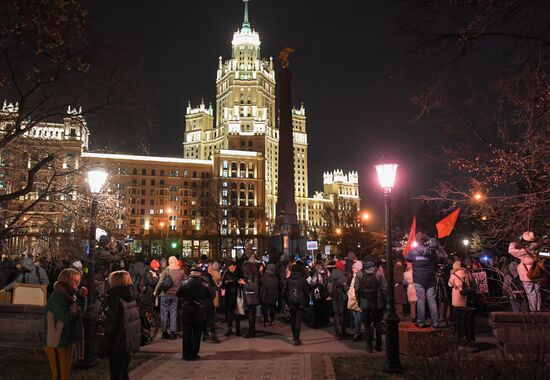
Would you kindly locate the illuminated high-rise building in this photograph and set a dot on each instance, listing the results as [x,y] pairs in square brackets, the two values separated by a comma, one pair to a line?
[245,117]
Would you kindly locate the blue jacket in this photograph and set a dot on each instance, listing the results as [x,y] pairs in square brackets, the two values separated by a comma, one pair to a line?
[424,263]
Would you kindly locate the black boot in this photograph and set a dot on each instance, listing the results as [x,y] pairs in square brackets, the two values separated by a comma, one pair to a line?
[378,345]
[229,332]
[369,346]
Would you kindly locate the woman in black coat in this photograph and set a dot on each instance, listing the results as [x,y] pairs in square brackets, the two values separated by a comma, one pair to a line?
[269,292]
[230,285]
[122,327]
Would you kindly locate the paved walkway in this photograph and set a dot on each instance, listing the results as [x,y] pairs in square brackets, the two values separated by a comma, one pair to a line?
[268,356]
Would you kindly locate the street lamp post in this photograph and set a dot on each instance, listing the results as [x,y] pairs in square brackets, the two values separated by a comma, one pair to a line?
[96,180]
[386,176]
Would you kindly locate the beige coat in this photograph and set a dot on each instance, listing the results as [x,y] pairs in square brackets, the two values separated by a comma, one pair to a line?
[458,277]
[216,277]
[408,281]
[352,298]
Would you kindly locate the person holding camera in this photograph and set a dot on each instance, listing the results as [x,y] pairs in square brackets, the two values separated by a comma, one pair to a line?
[424,258]
[524,250]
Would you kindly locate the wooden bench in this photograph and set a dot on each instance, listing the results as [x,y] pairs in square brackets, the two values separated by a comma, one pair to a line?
[521,333]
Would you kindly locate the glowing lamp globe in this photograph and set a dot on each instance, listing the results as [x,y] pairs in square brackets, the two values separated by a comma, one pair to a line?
[96,180]
[466,242]
[386,175]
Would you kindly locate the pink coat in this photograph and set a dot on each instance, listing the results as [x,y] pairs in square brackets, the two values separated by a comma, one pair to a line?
[455,281]
[525,258]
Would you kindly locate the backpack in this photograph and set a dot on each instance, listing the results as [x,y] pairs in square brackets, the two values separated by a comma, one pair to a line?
[294,293]
[167,283]
[464,290]
[369,286]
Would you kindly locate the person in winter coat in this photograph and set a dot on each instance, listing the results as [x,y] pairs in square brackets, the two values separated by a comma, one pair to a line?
[252,293]
[209,331]
[230,285]
[399,288]
[296,294]
[318,282]
[463,317]
[411,291]
[282,267]
[370,290]
[523,249]
[31,273]
[424,258]
[168,299]
[64,330]
[195,295]
[122,335]
[456,281]
[269,289]
[150,281]
[353,303]
[214,271]
[338,288]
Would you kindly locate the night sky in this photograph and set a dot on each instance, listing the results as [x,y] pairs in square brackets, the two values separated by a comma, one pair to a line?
[352,69]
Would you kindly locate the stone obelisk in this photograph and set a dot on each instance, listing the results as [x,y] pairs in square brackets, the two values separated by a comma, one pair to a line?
[286,223]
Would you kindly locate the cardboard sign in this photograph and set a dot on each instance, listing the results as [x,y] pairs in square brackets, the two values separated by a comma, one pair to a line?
[29,294]
[481,281]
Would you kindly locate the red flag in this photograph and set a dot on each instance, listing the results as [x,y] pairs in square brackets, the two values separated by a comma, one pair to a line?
[445,226]
[412,235]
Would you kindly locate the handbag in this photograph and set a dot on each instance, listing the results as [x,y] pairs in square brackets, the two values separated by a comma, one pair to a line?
[239,305]
[167,283]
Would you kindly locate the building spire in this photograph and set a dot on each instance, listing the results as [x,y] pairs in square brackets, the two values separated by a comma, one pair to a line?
[246,23]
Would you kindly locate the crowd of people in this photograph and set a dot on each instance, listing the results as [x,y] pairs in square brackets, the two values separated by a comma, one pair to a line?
[347,293]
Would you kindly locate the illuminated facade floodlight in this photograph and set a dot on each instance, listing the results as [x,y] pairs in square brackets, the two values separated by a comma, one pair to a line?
[96,179]
[386,175]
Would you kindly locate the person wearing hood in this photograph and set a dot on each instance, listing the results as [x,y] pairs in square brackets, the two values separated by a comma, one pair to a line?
[523,249]
[195,295]
[281,271]
[251,284]
[64,328]
[31,273]
[370,290]
[338,288]
[296,294]
[318,282]
[166,289]
[122,335]
[269,288]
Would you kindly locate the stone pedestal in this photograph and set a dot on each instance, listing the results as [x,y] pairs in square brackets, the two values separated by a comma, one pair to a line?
[424,341]
[521,333]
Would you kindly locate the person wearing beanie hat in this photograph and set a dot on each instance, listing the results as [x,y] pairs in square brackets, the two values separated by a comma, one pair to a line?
[464,320]
[167,289]
[337,290]
[524,250]
[370,289]
[269,289]
[195,296]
